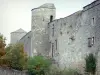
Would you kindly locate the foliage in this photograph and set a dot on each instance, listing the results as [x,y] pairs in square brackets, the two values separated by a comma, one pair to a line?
[2,46]
[38,65]
[8,48]
[90,64]
[16,58]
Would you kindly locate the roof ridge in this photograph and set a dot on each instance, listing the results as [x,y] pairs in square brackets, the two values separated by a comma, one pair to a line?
[20,30]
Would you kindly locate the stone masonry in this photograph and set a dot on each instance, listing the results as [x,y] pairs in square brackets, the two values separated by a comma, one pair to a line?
[67,40]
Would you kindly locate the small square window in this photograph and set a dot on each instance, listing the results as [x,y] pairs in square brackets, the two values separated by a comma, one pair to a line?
[90,42]
[64,23]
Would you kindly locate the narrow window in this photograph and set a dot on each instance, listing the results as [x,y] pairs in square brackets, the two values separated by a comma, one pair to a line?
[56,44]
[51,18]
[48,26]
[61,32]
[93,21]
[90,42]
[53,30]
[43,19]
[52,49]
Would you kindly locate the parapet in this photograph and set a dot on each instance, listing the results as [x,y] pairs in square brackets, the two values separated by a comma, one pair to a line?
[89,6]
[46,5]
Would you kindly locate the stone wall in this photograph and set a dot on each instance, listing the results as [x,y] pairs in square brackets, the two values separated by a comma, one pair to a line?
[17,35]
[6,71]
[67,51]
[40,19]
[26,40]
[72,34]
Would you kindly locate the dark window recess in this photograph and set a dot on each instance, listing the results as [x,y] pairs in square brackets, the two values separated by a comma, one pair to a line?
[43,19]
[51,18]
[72,38]
[56,44]
[64,23]
[93,20]
[52,49]
[48,26]
[70,26]
[90,42]
[53,30]
[60,32]
[67,32]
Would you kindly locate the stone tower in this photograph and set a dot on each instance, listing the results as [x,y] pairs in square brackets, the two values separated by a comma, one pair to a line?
[17,35]
[41,16]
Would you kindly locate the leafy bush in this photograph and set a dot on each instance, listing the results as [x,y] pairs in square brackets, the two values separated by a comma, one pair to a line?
[2,49]
[38,65]
[90,64]
[16,58]
[2,46]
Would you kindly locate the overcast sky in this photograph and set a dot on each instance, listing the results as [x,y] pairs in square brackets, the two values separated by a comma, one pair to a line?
[15,14]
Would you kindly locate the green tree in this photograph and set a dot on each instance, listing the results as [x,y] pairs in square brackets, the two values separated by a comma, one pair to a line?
[90,64]
[8,48]
[16,57]
[38,65]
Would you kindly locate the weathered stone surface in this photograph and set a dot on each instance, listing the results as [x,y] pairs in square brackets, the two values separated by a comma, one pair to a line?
[26,40]
[17,35]
[40,19]
[66,39]
[6,71]
[72,34]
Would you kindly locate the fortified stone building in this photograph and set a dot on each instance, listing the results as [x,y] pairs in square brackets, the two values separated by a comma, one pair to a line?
[67,40]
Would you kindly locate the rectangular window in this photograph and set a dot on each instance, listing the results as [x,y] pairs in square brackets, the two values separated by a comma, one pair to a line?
[56,44]
[93,21]
[90,42]
[53,30]
[52,49]
[51,18]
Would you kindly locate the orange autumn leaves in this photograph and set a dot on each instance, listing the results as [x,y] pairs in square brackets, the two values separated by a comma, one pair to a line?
[12,56]
[2,46]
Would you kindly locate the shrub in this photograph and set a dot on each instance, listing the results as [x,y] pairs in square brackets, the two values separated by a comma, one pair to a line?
[2,46]
[16,57]
[90,64]
[38,65]
[2,49]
